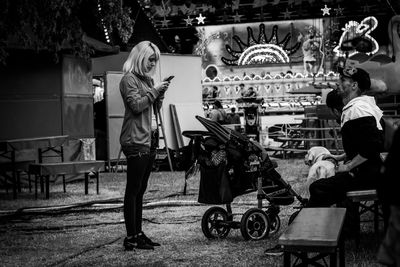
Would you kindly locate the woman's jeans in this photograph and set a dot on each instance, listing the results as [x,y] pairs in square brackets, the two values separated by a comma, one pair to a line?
[138,172]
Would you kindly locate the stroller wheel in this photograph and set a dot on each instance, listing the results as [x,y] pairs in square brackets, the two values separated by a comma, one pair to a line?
[214,223]
[255,224]
[275,223]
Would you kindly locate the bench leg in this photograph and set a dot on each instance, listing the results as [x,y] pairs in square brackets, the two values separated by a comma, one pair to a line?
[6,181]
[386,214]
[333,259]
[358,234]
[304,259]
[19,182]
[286,259]
[97,182]
[14,184]
[341,253]
[36,185]
[64,185]
[41,184]
[47,186]
[376,218]
[86,183]
[29,183]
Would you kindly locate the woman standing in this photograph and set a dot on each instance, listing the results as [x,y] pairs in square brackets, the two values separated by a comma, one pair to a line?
[139,135]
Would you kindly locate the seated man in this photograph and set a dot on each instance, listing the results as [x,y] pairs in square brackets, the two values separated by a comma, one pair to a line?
[362,138]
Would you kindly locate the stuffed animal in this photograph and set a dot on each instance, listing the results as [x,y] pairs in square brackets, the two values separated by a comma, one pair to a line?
[321,164]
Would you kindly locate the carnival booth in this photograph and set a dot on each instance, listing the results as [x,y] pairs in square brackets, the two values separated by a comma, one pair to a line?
[41,98]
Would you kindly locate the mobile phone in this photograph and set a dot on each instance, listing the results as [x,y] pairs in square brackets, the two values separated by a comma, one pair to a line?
[169,78]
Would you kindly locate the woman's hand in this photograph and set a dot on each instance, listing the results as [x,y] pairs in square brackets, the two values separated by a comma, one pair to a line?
[162,87]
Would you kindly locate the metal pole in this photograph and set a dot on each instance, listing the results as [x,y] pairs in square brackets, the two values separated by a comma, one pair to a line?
[165,138]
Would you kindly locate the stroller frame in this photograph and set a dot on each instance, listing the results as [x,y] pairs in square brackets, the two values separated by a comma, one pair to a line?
[258,222]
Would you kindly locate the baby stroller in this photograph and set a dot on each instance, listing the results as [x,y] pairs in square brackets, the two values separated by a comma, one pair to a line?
[232,165]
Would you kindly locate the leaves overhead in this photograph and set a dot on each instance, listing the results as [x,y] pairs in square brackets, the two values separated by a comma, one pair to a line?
[56,26]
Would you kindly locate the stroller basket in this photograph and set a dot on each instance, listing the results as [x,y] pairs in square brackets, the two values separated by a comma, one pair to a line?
[223,176]
[221,184]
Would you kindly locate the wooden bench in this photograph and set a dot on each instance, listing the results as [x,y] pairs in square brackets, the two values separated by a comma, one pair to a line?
[45,170]
[363,199]
[314,230]
[18,167]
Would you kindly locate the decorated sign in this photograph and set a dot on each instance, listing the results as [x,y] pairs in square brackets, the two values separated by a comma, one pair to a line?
[356,38]
[256,43]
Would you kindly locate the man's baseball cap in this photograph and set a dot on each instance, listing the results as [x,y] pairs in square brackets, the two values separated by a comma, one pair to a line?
[358,75]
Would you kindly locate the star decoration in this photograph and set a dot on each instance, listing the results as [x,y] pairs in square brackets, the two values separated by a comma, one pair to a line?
[366,8]
[235,5]
[204,7]
[164,23]
[286,14]
[200,19]
[325,11]
[339,11]
[236,17]
[188,21]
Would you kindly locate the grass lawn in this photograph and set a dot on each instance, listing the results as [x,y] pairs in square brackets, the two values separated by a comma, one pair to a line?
[65,232]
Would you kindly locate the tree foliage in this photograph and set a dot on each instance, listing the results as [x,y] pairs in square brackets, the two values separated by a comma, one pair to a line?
[115,16]
[56,25]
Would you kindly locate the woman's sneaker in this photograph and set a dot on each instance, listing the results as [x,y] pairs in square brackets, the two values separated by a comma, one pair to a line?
[139,243]
[148,240]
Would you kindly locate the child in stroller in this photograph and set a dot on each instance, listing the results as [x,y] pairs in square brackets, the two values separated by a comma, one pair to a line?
[232,165]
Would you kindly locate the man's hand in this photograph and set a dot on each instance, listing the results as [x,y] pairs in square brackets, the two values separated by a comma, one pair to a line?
[338,158]
[342,168]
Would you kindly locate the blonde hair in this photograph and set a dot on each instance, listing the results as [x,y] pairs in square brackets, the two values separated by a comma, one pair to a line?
[139,57]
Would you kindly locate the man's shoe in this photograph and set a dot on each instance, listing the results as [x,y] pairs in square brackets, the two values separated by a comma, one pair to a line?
[139,243]
[148,240]
[274,251]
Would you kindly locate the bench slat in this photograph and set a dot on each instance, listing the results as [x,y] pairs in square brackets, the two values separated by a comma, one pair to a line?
[315,227]
[363,195]
[72,167]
